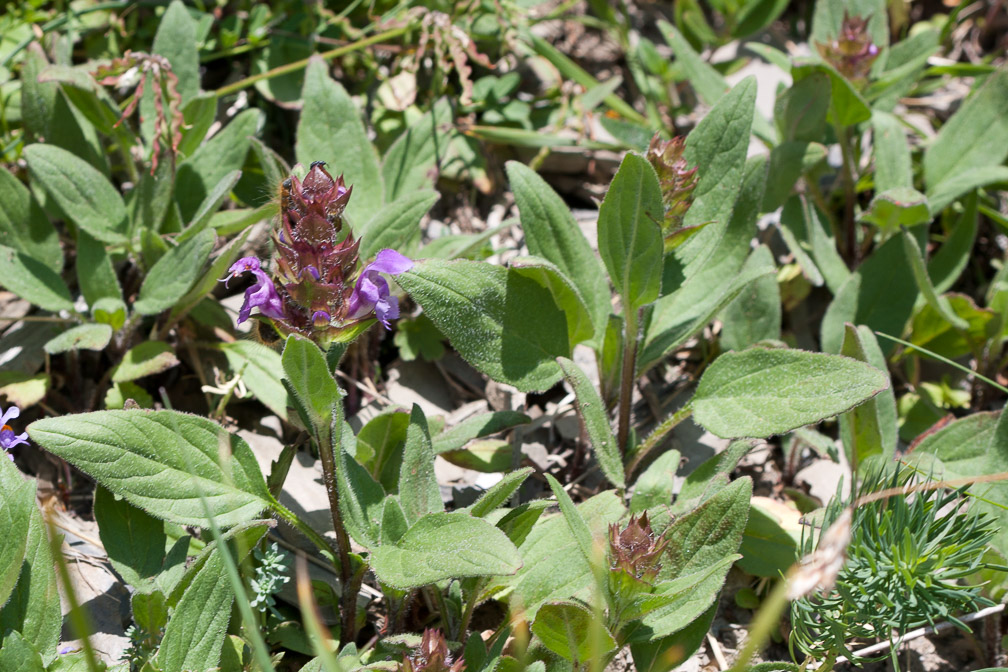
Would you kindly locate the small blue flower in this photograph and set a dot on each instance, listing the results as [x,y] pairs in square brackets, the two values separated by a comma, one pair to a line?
[372,291]
[8,439]
[262,294]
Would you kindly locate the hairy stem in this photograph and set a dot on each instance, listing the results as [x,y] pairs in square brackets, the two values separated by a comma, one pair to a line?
[327,446]
[656,436]
[627,376]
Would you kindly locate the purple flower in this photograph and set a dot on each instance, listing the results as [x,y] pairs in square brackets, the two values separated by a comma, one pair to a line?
[372,291]
[8,439]
[262,294]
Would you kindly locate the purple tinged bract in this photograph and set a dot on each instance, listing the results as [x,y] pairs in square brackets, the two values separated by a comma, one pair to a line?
[262,294]
[372,291]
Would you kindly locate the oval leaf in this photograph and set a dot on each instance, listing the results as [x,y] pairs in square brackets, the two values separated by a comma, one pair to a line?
[571,631]
[444,546]
[487,313]
[758,392]
[174,273]
[33,281]
[81,191]
[163,462]
[146,359]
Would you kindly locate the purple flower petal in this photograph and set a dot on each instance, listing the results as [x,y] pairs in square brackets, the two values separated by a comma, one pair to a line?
[8,439]
[262,294]
[372,290]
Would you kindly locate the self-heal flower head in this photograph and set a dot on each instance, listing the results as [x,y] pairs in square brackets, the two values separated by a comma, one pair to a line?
[262,294]
[318,288]
[678,181]
[372,291]
[636,550]
[431,656]
[852,52]
[8,439]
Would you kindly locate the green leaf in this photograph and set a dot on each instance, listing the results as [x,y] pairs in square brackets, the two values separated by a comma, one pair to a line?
[95,274]
[667,653]
[217,270]
[361,499]
[163,462]
[476,427]
[211,203]
[552,233]
[565,295]
[880,294]
[767,549]
[176,40]
[442,546]
[596,422]
[972,446]
[146,359]
[312,389]
[261,369]
[24,226]
[655,487]
[629,232]
[380,446]
[702,549]
[678,316]
[753,316]
[800,111]
[952,257]
[18,655]
[195,632]
[150,200]
[489,456]
[17,500]
[484,311]
[417,153]
[758,392]
[861,428]
[976,136]
[930,330]
[81,191]
[847,105]
[893,168]
[33,609]
[577,525]
[418,488]
[499,493]
[705,80]
[397,225]
[207,166]
[331,130]
[788,161]
[133,539]
[962,183]
[174,273]
[939,303]
[571,631]
[895,208]
[555,567]
[718,145]
[81,337]
[33,281]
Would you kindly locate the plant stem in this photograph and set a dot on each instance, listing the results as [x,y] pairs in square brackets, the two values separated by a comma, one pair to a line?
[627,378]
[316,538]
[327,446]
[847,178]
[656,436]
[303,63]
